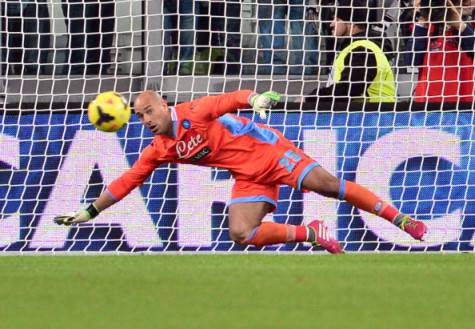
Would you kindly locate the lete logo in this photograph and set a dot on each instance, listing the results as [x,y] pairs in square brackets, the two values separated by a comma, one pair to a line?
[185,148]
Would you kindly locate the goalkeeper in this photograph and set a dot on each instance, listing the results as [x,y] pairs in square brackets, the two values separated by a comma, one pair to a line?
[203,132]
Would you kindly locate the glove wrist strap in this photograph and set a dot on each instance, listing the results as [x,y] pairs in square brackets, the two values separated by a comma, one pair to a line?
[92,211]
[252,98]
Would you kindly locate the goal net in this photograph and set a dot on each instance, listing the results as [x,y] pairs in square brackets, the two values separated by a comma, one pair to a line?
[56,56]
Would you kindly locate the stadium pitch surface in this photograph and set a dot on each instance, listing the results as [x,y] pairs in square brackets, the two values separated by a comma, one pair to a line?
[238,291]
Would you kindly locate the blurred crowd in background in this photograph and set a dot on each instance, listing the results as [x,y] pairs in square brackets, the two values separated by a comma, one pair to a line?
[288,35]
[232,37]
[27,37]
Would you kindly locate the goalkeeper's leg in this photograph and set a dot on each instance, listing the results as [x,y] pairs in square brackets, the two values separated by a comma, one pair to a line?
[245,227]
[322,182]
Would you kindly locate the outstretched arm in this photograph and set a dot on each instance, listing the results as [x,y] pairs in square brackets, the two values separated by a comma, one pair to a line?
[212,107]
[104,201]
[116,191]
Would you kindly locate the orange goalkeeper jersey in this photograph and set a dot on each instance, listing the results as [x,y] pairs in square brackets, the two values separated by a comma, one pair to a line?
[206,135]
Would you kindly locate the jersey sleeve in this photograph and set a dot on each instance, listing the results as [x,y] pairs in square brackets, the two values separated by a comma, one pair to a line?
[136,175]
[211,107]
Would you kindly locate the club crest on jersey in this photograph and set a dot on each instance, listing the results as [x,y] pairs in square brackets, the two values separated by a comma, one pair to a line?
[185,124]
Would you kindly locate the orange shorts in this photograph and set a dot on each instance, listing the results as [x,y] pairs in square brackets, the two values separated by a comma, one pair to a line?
[289,166]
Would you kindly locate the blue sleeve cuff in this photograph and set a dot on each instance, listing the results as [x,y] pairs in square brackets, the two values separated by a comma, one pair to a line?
[341,192]
[249,99]
[111,195]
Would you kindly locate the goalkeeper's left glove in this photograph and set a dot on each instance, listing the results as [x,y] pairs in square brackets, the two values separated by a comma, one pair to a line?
[81,216]
[262,102]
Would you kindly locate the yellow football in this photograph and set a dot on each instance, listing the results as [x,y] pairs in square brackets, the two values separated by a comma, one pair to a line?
[109,111]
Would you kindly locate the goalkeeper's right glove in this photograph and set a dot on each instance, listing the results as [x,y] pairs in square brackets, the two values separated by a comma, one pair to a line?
[262,102]
[81,216]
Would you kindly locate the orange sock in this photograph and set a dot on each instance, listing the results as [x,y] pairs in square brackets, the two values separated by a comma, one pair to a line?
[363,199]
[272,233]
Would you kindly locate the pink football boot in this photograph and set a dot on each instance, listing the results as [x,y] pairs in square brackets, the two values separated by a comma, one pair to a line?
[323,239]
[414,228]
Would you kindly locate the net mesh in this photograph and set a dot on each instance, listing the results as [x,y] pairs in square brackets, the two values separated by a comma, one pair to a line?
[56,56]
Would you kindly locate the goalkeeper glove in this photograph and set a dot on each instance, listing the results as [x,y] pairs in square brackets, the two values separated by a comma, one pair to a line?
[262,102]
[77,217]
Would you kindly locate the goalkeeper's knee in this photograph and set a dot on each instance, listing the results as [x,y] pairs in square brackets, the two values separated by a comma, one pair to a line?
[240,235]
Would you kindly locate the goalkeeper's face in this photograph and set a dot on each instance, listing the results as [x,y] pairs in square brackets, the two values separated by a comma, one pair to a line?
[153,112]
